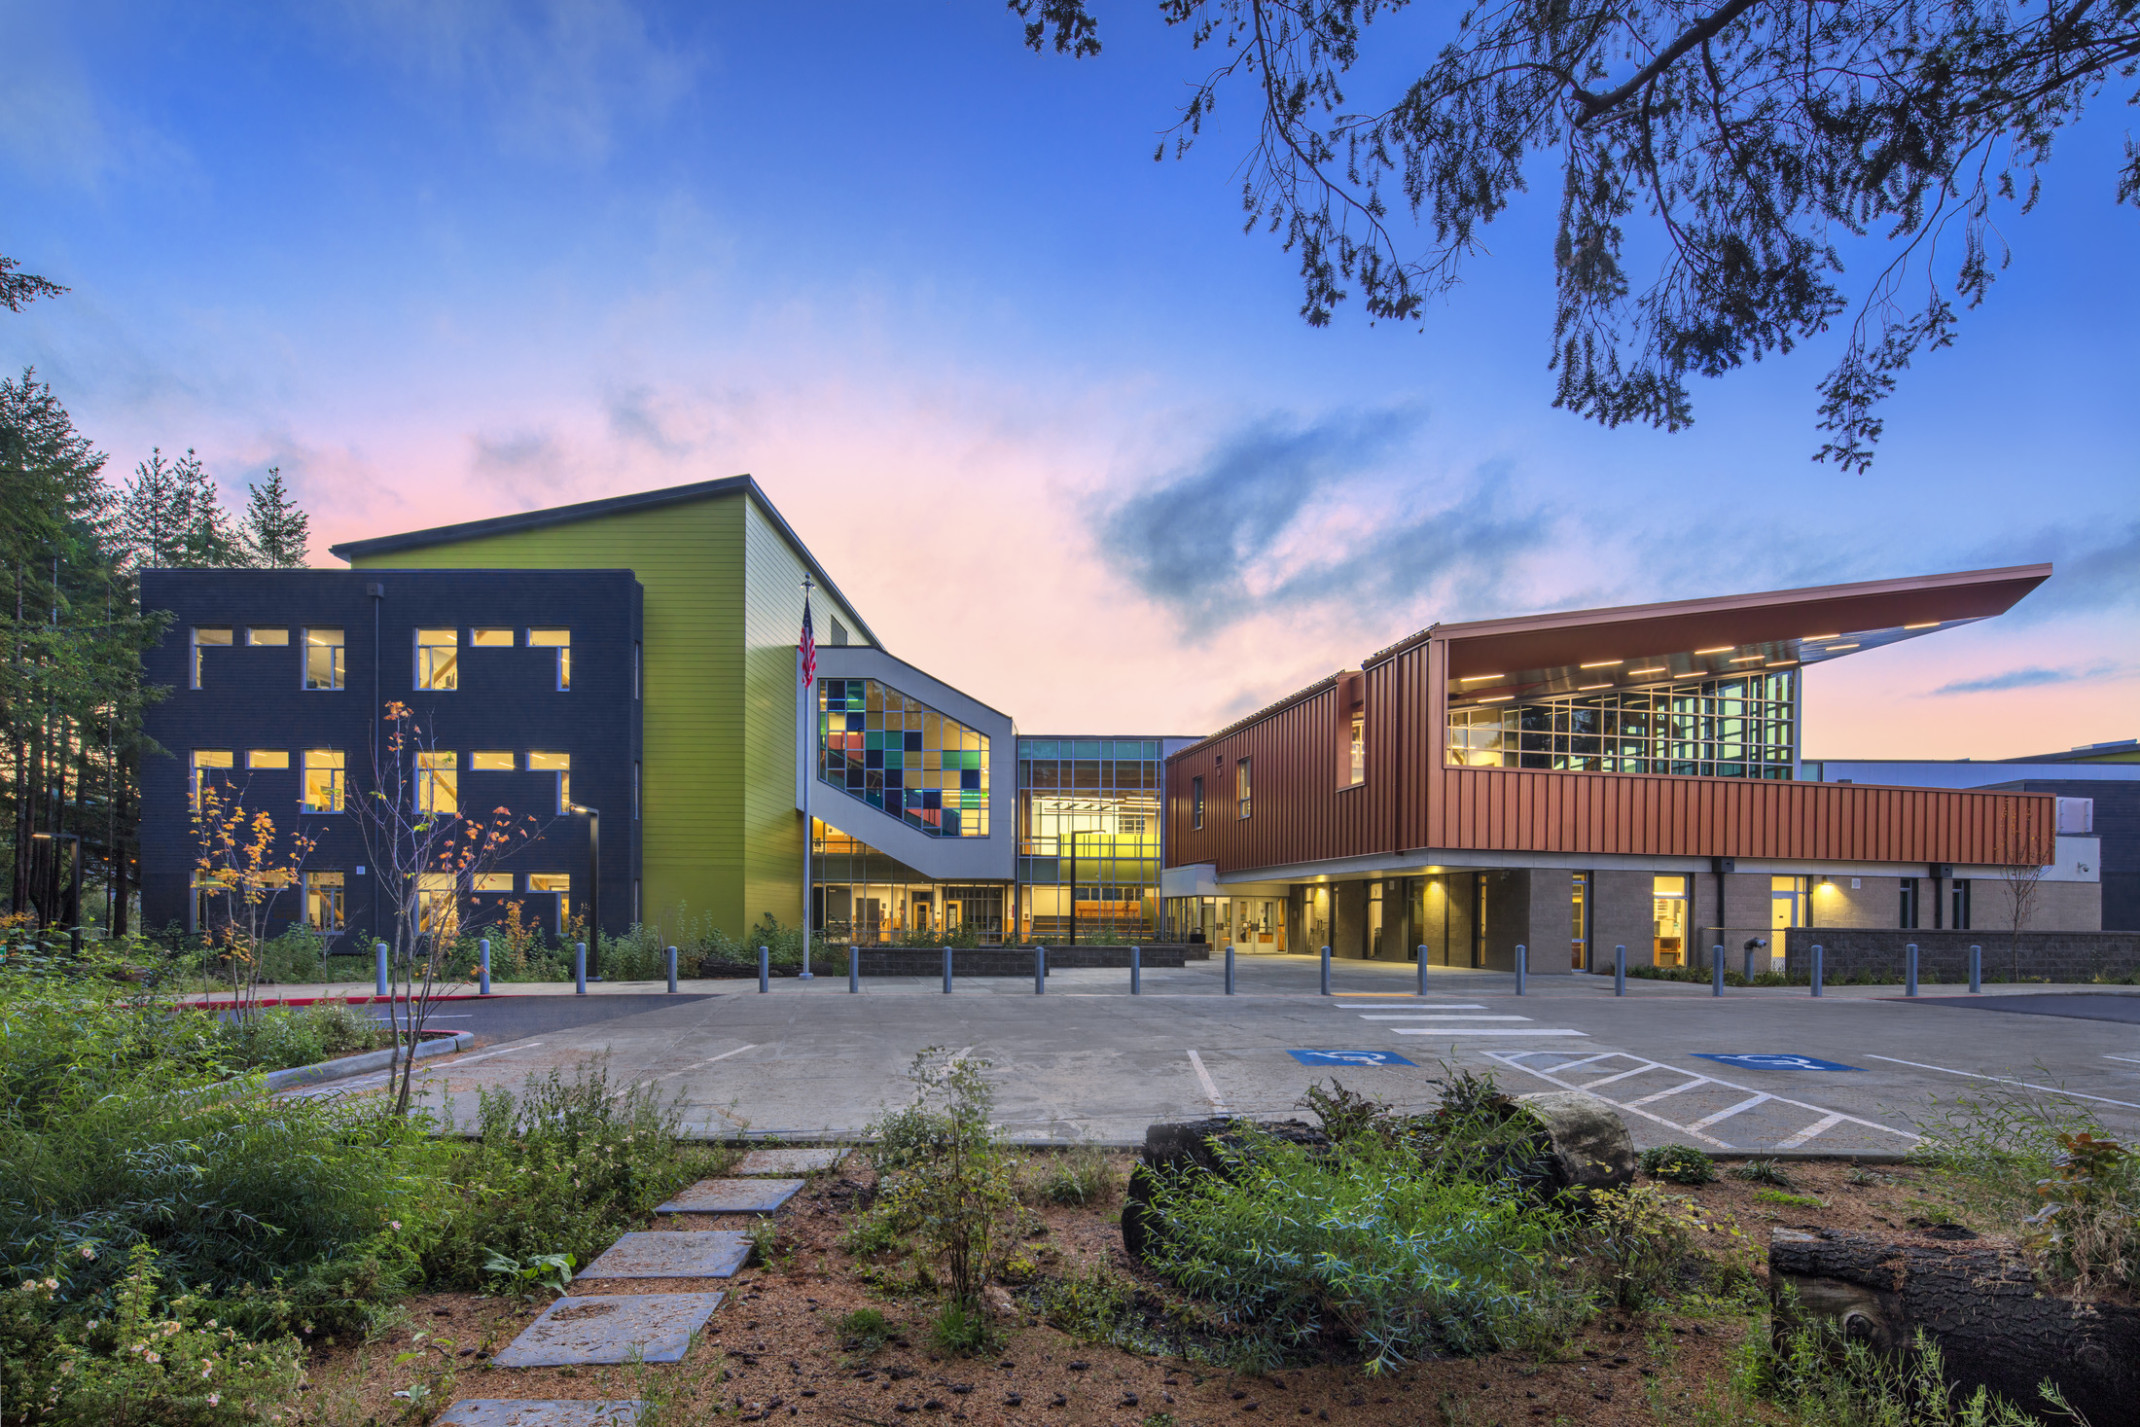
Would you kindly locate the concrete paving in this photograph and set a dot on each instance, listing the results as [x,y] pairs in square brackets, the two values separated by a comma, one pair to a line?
[1087,1061]
[732,1196]
[530,1412]
[611,1328]
[672,1253]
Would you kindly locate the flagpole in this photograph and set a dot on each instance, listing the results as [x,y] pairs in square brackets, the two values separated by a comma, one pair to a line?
[809,755]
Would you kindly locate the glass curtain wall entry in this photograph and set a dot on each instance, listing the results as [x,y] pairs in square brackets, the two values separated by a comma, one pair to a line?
[1668,902]
[864,897]
[323,659]
[902,757]
[1739,727]
[1088,839]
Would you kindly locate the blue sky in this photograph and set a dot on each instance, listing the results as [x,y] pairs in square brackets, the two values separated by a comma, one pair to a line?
[1047,414]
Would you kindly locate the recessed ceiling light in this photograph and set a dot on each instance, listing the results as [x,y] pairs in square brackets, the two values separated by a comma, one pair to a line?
[1659,669]
[1720,649]
[1784,664]
[1747,659]
[1586,688]
[1839,648]
[1604,663]
[1479,678]
[1931,624]
[1809,638]
[1496,698]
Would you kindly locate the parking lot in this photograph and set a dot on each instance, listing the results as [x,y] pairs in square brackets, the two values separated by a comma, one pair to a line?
[1858,1070]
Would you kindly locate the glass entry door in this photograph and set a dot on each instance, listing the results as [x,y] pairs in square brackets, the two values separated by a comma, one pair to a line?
[1668,903]
[1786,909]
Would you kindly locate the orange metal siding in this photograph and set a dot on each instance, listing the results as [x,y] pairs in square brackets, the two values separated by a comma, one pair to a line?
[1412,800]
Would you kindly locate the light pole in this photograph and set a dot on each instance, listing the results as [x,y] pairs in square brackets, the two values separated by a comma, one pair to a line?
[594,886]
[74,896]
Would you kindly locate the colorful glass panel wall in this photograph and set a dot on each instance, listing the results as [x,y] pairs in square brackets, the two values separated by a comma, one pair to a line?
[901,756]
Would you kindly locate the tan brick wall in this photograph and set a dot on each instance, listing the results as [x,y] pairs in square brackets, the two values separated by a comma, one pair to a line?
[2058,906]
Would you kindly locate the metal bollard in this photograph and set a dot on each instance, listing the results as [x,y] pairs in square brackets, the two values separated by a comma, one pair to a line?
[1136,971]
[1816,968]
[765,970]
[854,970]
[672,971]
[1422,968]
[947,971]
[483,967]
[1976,969]
[381,958]
[1229,968]
[1523,966]
[1716,970]
[1326,971]
[1909,969]
[1040,971]
[579,968]
[1619,971]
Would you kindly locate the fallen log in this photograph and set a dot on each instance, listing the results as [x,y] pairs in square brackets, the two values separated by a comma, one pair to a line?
[1996,1323]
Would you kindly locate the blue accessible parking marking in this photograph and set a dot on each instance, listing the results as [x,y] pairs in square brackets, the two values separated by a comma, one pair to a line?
[1348,1057]
[1778,1061]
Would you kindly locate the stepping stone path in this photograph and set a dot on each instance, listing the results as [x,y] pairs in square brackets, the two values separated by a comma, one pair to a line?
[732,1196]
[609,1327]
[673,1253]
[511,1412]
[788,1162]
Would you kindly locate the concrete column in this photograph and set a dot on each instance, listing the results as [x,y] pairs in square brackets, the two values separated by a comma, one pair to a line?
[1348,920]
[1622,914]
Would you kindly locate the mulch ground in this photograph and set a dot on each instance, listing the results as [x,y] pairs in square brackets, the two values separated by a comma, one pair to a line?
[772,1351]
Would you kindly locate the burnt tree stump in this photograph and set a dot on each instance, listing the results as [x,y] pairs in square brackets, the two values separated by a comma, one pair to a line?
[1994,1320]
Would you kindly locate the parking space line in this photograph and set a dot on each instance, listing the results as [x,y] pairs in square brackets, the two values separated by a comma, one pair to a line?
[1625,1074]
[1408,1005]
[2128,1059]
[1675,1090]
[702,1064]
[1821,1126]
[2004,1080]
[1436,1015]
[1480,1031]
[1760,1097]
[1211,1088]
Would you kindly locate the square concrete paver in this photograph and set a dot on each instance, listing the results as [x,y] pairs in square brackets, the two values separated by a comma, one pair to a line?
[608,1328]
[732,1196]
[795,1161]
[514,1412]
[672,1253]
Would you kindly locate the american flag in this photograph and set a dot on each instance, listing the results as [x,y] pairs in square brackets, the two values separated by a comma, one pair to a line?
[809,648]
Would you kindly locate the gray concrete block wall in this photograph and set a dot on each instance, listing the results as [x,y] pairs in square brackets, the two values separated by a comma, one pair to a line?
[1943,956]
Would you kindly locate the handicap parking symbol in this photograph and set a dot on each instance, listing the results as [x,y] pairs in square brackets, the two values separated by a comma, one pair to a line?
[1776,1060]
[1348,1057]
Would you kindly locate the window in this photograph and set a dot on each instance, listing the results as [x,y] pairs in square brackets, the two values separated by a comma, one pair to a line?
[280,638]
[637,658]
[557,882]
[438,658]
[324,905]
[323,780]
[1742,726]
[494,762]
[267,758]
[1579,929]
[438,781]
[490,638]
[1196,804]
[897,754]
[437,908]
[491,882]
[561,641]
[1358,764]
[561,765]
[1907,917]
[839,631]
[323,659]
[208,761]
[1668,904]
[1243,786]
[1960,920]
[207,638]
[635,790]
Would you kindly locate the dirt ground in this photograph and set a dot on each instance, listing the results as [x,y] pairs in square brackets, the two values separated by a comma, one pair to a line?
[773,1351]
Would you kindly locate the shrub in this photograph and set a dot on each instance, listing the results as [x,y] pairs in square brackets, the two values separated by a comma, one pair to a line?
[1761,1171]
[277,1040]
[564,1167]
[1639,1240]
[1088,1306]
[962,1328]
[1073,1178]
[1680,1164]
[864,1331]
[1823,1381]
[944,1177]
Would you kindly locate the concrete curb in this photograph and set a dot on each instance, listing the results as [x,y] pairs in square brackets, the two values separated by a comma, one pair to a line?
[350,1065]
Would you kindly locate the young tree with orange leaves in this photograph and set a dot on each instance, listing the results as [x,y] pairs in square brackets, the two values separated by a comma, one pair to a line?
[241,869]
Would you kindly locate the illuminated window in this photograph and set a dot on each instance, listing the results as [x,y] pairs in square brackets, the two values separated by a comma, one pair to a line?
[1243,785]
[323,780]
[324,904]
[1358,761]
[278,637]
[1743,726]
[561,884]
[561,765]
[1668,906]
[438,658]
[323,658]
[437,906]
[212,637]
[561,641]
[438,784]
[491,762]
[1196,803]
[895,753]
[491,882]
[207,762]
[490,638]
[267,758]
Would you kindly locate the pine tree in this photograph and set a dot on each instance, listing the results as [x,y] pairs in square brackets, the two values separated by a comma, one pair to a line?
[276,530]
[170,517]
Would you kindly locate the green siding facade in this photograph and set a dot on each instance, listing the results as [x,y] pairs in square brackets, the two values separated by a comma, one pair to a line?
[719,832]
